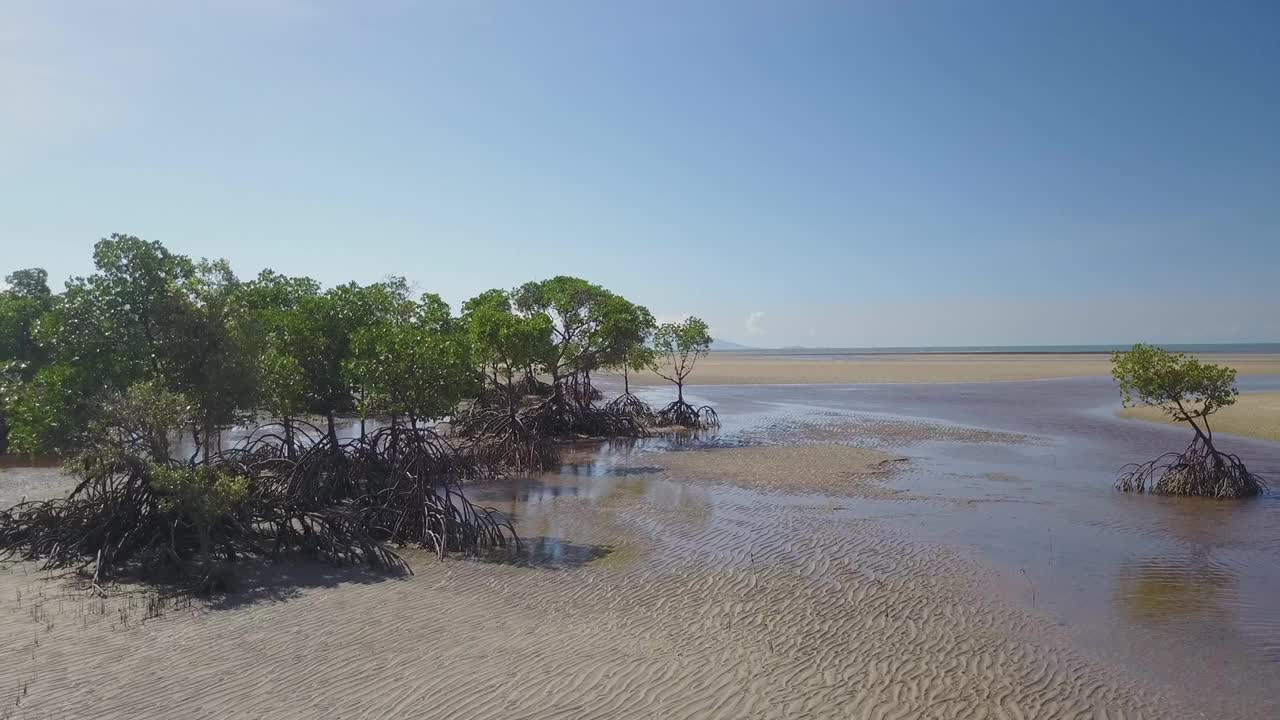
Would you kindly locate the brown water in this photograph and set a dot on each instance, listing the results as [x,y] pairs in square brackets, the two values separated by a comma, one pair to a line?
[1008,486]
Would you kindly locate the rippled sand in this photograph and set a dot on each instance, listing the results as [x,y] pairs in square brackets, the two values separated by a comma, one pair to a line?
[1254,415]
[732,368]
[907,551]
[654,588]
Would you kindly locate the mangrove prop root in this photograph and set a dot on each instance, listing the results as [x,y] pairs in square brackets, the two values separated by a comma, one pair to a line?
[682,414]
[530,385]
[503,439]
[628,405]
[559,418]
[346,503]
[1200,470]
[523,438]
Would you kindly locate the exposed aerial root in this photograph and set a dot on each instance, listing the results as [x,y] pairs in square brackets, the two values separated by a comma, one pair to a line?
[530,385]
[346,503]
[560,419]
[682,414]
[628,405]
[1200,470]
[502,439]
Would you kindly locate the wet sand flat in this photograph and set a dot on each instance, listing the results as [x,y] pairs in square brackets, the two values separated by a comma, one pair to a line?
[932,551]
[692,602]
[827,469]
[1254,415]
[733,368]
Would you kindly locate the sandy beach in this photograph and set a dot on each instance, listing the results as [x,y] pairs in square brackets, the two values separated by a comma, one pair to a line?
[737,368]
[922,550]
[655,588]
[1254,415]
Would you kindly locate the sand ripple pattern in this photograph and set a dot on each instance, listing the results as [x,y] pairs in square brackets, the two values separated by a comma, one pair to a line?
[746,608]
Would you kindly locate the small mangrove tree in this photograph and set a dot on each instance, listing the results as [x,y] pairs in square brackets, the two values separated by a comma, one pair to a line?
[1188,391]
[677,348]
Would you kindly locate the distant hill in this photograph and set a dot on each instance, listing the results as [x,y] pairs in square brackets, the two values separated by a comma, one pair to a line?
[718,344]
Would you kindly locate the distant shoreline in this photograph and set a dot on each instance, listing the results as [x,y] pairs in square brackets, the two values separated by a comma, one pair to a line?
[784,367]
[1272,348]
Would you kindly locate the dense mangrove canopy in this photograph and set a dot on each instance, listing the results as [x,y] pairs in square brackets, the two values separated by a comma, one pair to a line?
[138,371]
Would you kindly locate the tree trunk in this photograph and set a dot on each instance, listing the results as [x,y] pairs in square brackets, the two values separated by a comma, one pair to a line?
[195,441]
[1195,426]
[626,381]
[680,392]
[333,431]
[288,437]
[208,436]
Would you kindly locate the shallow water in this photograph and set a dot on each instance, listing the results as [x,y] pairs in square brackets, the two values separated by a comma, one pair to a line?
[1179,593]
[1181,590]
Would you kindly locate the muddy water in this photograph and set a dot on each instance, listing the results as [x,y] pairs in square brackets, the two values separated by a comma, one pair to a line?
[1004,578]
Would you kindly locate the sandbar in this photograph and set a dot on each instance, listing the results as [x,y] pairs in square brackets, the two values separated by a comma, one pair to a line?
[1254,415]
[738,368]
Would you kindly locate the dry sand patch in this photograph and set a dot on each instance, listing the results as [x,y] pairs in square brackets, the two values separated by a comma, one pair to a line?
[1254,415]
[730,368]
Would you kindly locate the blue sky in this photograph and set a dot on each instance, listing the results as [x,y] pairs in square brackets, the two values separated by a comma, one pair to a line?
[818,173]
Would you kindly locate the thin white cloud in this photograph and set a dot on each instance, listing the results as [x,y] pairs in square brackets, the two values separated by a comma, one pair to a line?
[753,323]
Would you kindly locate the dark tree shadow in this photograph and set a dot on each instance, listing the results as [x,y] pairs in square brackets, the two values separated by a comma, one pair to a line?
[263,581]
[255,582]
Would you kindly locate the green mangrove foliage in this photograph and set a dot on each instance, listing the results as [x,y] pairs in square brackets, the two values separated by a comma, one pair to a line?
[591,328]
[139,372]
[1188,391]
[677,348]
[21,355]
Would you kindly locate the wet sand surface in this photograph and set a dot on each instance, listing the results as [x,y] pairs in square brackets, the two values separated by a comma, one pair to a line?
[1254,415]
[735,368]
[925,551]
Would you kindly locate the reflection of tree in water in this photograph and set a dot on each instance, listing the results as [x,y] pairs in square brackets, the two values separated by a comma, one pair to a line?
[1197,523]
[1167,587]
[597,485]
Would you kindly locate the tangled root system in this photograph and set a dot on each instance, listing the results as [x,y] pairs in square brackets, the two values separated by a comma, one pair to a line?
[562,419]
[629,405]
[530,385]
[346,503]
[682,414]
[1200,470]
[502,439]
